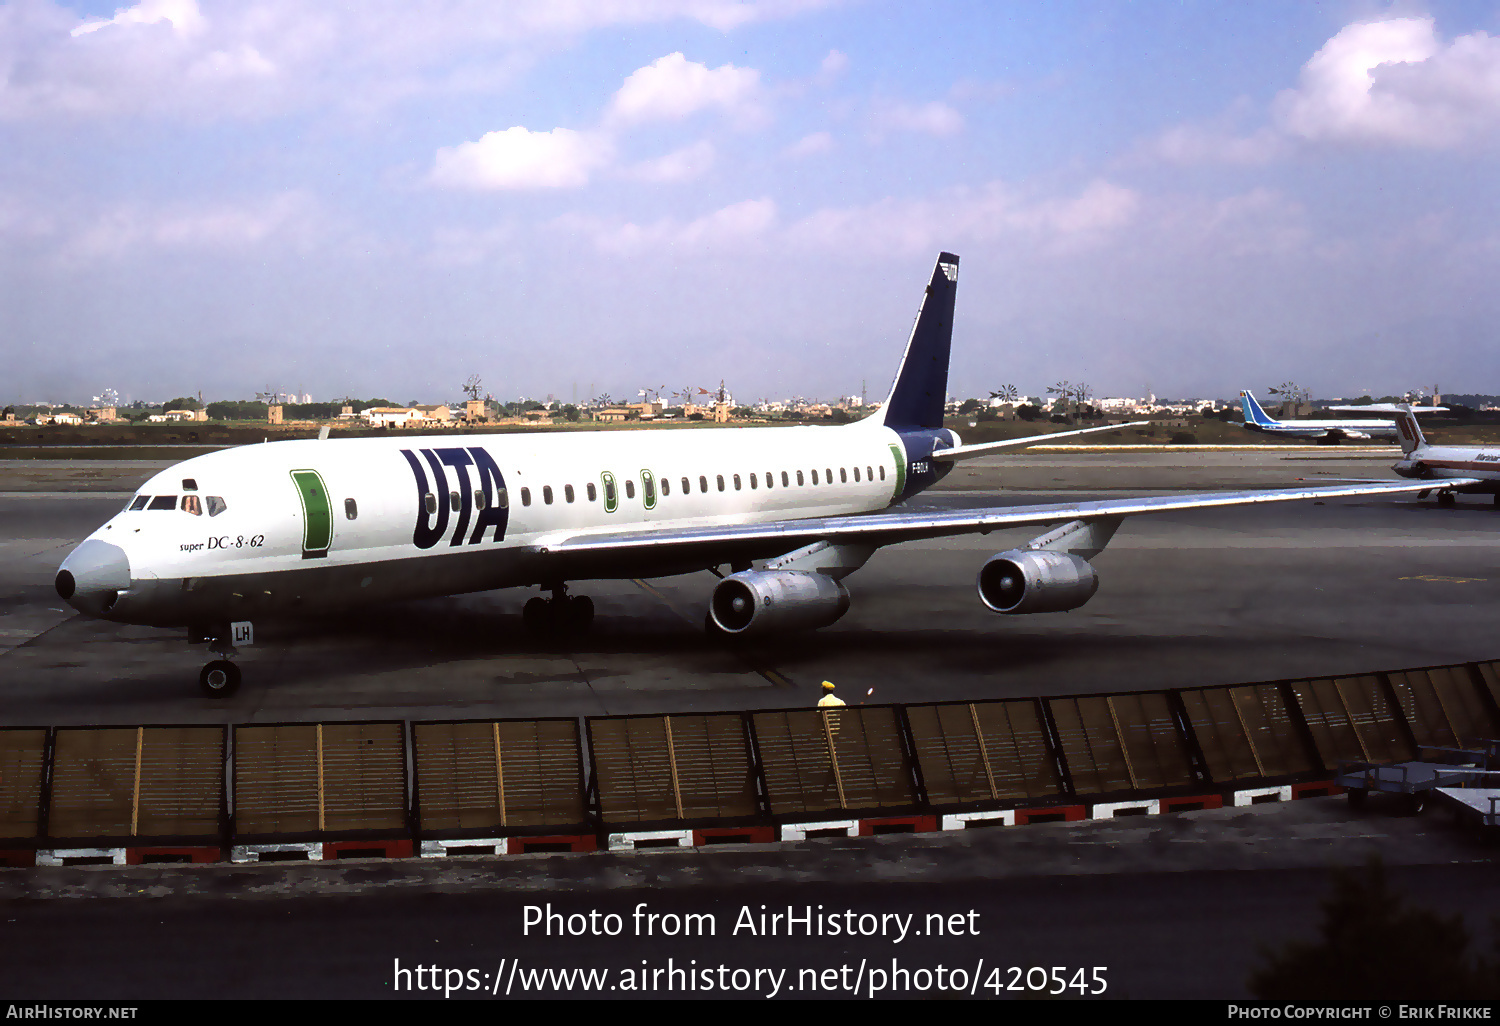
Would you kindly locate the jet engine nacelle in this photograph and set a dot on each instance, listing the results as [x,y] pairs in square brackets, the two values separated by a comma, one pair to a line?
[755,602]
[1036,581]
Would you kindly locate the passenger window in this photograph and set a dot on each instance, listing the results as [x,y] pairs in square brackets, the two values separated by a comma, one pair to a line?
[547,494]
[568,492]
[882,473]
[856,475]
[815,477]
[666,486]
[799,479]
[687,489]
[526,496]
[752,481]
[721,481]
[702,483]
[784,481]
[140,502]
[770,479]
[216,505]
[843,476]
[593,492]
[736,482]
[429,503]
[502,498]
[828,475]
[630,488]
[190,504]
[163,502]
[648,489]
[611,496]
[455,501]
[479,500]
[351,508]
[869,473]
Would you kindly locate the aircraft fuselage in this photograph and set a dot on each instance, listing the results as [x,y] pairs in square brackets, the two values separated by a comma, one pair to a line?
[317,525]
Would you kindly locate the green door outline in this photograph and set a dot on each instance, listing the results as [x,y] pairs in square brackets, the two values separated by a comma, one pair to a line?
[648,489]
[611,495]
[317,514]
[900,473]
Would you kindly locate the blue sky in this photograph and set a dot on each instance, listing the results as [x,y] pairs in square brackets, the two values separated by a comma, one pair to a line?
[573,199]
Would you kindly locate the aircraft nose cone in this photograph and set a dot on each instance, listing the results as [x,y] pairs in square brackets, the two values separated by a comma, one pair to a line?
[92,577]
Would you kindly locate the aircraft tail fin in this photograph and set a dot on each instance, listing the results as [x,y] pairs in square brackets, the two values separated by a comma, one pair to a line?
[1408,428]
[921,388]
[1253,413]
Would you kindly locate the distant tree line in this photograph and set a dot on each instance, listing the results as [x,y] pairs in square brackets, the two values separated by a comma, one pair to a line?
[254,409]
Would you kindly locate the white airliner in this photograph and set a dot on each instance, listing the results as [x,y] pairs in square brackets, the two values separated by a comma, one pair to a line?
[1256,419]
[299,527]
[1444,465]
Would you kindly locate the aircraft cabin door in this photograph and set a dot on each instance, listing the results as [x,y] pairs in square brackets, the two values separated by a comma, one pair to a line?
[317,513]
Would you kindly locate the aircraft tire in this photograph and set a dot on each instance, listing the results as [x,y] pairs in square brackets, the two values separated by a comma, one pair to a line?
[1357,797]
[536,615]
[219,679]
[1416,802]
[580,614]
[1447,499]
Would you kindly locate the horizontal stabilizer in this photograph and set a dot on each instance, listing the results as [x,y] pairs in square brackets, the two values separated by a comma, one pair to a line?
[968,452]
[1391,408]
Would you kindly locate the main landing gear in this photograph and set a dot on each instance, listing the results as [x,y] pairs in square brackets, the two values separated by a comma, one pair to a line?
[562,615]
[219,678]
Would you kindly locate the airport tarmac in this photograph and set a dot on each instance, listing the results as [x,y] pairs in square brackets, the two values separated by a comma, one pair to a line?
[1177,906]
[1203,597]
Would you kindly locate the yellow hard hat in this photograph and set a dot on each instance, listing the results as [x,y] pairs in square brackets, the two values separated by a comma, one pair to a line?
[828,685]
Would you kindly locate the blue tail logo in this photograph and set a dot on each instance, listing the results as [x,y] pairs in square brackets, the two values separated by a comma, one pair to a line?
[1253,413]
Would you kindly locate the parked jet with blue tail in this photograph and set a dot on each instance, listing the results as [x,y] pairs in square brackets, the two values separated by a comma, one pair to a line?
[1331,431]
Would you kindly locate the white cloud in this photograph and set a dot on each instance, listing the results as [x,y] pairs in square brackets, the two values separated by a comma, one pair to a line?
[521,159]
[678,166]
[1393,81]
[1210,144]
[933,118]
[671,88]
[149,58]
[957,216]
[738,224]
[833,65]
[182,15]
[810,145]
[126,231]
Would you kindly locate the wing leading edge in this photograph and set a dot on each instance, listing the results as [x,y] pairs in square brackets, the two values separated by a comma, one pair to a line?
[880,529]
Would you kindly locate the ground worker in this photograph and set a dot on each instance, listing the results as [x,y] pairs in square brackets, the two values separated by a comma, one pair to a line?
[829,699]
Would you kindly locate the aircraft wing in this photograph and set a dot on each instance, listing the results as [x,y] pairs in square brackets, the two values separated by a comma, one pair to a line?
[968,452]
[763,541]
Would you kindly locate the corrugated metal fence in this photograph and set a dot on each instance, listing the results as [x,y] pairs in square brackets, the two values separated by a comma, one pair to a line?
[315,790]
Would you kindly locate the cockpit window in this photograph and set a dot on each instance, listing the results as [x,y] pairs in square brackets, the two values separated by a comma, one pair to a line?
[216,505]
[189,484]
[190,504]
[163,502]
[140,502]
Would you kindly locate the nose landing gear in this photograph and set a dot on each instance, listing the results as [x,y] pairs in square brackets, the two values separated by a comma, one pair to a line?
[562,615]
[219,678]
